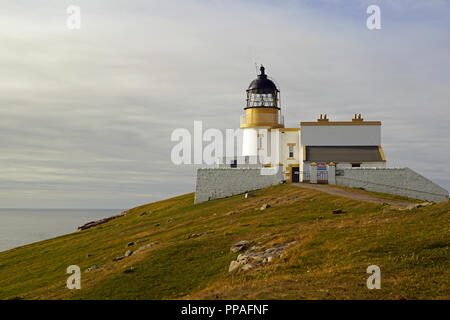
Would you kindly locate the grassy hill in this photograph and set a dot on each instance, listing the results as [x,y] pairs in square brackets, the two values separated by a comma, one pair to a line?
[188,251]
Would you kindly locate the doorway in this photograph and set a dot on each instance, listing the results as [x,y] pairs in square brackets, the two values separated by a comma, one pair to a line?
[295,174]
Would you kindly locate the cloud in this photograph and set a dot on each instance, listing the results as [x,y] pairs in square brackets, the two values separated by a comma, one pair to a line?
[86,116]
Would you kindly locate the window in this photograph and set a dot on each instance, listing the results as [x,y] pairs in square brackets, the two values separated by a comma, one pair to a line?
[356,165]
[260,143]
[291,151]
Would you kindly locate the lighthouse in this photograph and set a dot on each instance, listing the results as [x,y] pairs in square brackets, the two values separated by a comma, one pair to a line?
[315,151]
[262,111]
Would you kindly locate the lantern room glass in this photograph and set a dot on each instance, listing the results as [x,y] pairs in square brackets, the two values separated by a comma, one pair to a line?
[268,100]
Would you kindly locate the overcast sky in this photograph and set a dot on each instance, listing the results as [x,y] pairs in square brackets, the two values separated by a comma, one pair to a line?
[86,115]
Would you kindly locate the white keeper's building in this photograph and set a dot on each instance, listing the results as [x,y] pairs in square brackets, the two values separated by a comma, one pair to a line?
[321,143]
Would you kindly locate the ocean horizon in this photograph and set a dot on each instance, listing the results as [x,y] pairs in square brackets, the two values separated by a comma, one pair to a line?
[20,227]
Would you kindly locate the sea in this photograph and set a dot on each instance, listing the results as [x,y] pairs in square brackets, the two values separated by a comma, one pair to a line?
[19,227]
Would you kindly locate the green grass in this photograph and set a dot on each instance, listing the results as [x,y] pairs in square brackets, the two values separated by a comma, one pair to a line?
[328,261]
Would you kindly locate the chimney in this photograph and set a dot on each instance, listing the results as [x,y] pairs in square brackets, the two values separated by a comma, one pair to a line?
[322,118]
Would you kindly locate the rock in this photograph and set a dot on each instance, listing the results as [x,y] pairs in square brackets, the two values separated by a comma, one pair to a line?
[409,207]
[196,235]
[169,220]
[101,221]
[92,268]
[264,206]
[145,213]
[128,253]
[145,246]
[88,255]
[239,246]
[142,240]
[234,265]
[129,270]
[129,244]
[248,266]
[249,195]
[157,225]
[119,258]
[337,211]
[424,204]
[256,256]
[231,213]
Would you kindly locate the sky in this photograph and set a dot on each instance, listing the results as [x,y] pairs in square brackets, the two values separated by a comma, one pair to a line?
[86,115]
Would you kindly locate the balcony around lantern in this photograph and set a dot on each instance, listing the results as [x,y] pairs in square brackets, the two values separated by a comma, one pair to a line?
[258,117]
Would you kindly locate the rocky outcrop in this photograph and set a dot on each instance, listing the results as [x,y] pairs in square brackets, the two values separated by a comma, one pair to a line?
[101,221]
[416,205]
[257,256]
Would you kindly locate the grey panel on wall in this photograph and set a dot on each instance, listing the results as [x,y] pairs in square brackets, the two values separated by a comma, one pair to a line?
[343,154]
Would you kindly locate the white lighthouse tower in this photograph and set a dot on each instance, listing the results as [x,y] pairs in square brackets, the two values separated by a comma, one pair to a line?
[262,112]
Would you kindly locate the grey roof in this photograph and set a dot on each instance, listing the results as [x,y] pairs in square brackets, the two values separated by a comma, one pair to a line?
[343,154]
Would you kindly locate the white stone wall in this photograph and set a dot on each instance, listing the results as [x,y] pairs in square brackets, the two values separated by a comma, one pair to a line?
[400,181]
[348,165]
[213,183]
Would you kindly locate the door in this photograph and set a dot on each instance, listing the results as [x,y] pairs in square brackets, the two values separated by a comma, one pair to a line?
[295,174]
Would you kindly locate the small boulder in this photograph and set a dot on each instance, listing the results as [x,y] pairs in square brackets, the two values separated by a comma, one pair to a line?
[129,244]
[249,266]
[129,270]
[249,195]
[145,213]
[119,258]
[337,211]
[92,268]
[196,235]
[234,266]
[157,225]
[148,245]
[265,206]
[239,246]
[128,253]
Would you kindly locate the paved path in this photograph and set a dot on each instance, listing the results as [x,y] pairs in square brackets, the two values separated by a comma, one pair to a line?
[352,194]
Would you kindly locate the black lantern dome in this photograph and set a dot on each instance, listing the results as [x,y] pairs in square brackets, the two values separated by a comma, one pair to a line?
[262,92]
